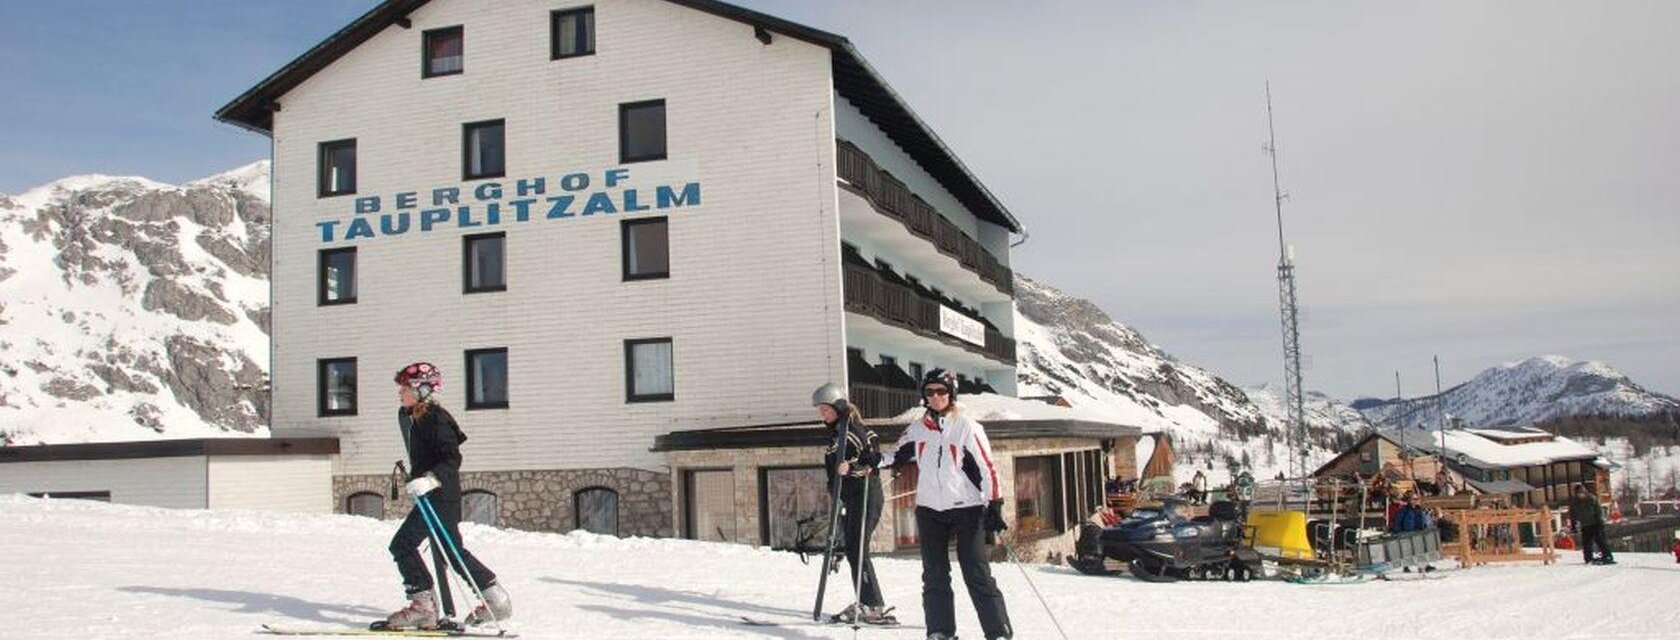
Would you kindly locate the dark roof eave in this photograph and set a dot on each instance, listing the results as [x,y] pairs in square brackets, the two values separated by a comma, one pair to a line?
[169,449]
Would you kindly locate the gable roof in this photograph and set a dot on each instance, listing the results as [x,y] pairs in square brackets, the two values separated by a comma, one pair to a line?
[854,80]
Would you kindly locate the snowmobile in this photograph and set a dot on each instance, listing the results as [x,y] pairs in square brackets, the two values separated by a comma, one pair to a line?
[1160,544]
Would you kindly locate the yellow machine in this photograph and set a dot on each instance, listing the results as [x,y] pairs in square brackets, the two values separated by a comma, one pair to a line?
[1279,534]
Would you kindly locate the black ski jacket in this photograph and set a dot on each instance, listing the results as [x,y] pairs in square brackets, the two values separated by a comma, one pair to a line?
[434,446]
[862,450]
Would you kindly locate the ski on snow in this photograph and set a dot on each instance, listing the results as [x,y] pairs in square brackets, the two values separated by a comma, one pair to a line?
[825,622]
[390,633]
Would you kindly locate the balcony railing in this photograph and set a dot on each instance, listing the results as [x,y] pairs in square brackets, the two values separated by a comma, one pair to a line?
[889,196]
[870,294]
[876,401]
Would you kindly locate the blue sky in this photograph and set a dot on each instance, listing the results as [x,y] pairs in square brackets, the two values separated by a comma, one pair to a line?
[1484,180]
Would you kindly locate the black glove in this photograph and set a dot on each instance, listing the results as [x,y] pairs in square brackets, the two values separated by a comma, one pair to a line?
[994,517]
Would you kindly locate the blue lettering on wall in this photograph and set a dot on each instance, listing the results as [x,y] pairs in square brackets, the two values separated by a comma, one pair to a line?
[599,203]
[386,228]
[560,205]
[359,228]
[574,181]
[431,217]
[488,202]
[522,209]
[532,187]
[690,196]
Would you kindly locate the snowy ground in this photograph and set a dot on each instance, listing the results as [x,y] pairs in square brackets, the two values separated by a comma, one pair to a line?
[88,570]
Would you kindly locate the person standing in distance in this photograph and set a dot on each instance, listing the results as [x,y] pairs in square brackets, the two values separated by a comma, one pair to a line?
[957,497]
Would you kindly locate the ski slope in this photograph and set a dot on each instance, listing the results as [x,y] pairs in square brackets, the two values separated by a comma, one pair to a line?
[89,570]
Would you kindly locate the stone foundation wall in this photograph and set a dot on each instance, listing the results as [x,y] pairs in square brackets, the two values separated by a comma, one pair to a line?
[543,500]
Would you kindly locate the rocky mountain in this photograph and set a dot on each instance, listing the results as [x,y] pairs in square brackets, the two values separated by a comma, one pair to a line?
[1532,391]
[1069,347]
[131,309]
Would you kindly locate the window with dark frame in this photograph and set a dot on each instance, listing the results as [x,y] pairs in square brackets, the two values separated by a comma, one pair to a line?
[487,378]
[916,371]
[367,504]
[647,248]
[484,149]
[572,33]
[337,163]
[443,52]
[484,262]
[649,371]
[641,131]
[337,280]
[335,384]
[596,510]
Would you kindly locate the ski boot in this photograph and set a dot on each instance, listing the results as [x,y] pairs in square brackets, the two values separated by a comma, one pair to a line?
[496,601]
[420,613]
[940,636]
[877,616]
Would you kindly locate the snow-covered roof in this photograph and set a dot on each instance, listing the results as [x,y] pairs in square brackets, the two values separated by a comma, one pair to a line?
[1482,449]
[993,407]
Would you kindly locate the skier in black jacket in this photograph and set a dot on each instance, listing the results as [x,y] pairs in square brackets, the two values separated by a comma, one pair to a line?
[433,441]
[860,495]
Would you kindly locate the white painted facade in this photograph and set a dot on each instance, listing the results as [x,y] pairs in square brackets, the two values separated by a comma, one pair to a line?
[291,483]
[754,304]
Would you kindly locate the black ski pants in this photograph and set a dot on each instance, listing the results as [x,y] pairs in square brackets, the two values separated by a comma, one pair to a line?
[1592,535]
[937,529]
[858,533]
[405,548]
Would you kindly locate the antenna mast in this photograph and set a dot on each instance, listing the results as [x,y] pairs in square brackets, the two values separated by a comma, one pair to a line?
[1296,430]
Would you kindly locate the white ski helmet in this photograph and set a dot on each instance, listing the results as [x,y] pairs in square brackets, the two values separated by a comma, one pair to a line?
[830,394]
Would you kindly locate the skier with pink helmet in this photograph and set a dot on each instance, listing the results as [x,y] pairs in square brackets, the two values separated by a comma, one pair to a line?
[433,442]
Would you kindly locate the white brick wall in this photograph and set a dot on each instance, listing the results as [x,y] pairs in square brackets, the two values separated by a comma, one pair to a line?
[753,303]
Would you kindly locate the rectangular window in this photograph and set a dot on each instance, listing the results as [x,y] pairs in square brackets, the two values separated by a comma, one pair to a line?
[487,378]
[484,263]
[649,372]
[571,33]
[444,51]
[337,164]
[641,131]
[336,386]
[483,150]
[889,361]
[916,371]
[337,283]
[1037,494]
[794,506]
[647,248]
[709,504]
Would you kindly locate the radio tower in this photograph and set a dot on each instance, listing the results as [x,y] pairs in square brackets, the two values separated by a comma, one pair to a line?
[1295,433]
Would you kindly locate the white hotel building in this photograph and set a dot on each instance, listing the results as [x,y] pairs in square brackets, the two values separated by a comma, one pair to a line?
[635,234]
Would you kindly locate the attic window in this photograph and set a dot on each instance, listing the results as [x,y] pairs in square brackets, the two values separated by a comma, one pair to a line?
[444,52]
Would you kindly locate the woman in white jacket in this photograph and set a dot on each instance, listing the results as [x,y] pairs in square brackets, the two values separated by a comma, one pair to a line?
[957,496]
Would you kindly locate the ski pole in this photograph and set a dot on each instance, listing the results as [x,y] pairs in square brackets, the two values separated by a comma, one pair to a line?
[862,556]
[1016,560]
[425,505]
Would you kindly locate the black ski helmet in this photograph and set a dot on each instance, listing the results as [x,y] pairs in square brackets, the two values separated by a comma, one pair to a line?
[940,377]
